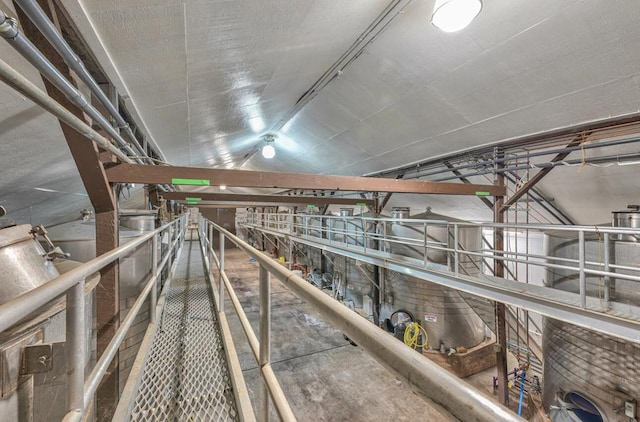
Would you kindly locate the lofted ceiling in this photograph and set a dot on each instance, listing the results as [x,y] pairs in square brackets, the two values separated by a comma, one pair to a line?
[209,78]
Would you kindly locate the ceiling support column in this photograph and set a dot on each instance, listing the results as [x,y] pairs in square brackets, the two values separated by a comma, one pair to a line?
[87,158]
[500,308]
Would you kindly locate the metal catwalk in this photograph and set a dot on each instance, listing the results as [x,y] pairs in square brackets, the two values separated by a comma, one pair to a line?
[185,375]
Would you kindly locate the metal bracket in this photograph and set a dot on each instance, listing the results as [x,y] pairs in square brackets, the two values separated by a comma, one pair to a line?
[37,359]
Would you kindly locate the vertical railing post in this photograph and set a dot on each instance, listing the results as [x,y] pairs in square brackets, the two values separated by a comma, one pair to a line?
[75,347]
[583,281]
[456,254]
[210,245]
[607,279]
[154,271]
[221,282]
[424,231]
[265,336]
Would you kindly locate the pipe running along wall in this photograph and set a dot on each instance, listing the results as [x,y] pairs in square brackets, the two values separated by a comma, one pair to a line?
[46,27]
[10,32]
[444,389]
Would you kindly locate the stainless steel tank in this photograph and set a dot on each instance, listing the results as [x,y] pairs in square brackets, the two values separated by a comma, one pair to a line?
[445,315]
[596,368]
[140,220]
[22,263]
[23,267]
[78,239]
[628,218]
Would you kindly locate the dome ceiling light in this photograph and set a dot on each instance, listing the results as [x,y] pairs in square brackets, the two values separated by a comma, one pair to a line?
[454,15]
[268,150]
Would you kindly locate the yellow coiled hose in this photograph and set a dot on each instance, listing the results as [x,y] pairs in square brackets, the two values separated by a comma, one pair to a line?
[412,336]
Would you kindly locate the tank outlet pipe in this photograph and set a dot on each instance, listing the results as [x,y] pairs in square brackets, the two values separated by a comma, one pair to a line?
[10,32]
[35,13]
[15,80]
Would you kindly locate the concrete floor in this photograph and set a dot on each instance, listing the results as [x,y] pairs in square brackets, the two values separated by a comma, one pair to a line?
[323,376]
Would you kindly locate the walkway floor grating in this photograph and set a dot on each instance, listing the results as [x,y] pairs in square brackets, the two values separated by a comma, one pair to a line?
[185,376]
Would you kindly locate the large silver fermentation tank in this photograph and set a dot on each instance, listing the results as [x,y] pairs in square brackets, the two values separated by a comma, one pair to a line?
[445,315]
[25,394]
[589,376]
[78,239]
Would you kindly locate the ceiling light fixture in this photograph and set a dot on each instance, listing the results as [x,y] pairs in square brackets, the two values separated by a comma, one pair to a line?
[268,150]
[454,15]
[223,187]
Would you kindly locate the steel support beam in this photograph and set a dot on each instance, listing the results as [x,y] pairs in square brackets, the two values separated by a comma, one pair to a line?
[463,179]
[265,199]
[500,307]
[542,173]
[87,159]
[139,173]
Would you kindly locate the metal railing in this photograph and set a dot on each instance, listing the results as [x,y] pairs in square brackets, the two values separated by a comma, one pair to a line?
[452,394]
[368,231]
[261,349]
[80,391]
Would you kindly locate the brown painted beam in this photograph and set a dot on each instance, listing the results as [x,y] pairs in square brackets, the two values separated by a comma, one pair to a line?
[87,158]
[140,173]
[266,199]
[463,179]
[542,173]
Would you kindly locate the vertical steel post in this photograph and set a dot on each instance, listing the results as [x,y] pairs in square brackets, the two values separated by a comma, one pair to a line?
[607,279]
[500,308]
[75,347]
[583,281]
[456,253]
[210,245]
[221,282]
[265,336]
[154,271]
[424,231]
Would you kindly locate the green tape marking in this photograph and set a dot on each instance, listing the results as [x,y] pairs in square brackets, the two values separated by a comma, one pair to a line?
[311,206]
[483,194]
[362,204]
[193,199]
[192,202]
[196,182]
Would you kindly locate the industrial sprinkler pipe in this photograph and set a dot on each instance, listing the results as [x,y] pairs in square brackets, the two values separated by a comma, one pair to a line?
[9,31]
[46,27]
[24,86]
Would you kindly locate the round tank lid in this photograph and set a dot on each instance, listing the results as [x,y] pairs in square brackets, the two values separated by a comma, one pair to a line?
[15,234]
[631,209]
[132,212]
[83,230]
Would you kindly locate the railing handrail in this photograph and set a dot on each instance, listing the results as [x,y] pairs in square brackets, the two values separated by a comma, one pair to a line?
[15,310]
[484,224]
[80,391]
[450,392]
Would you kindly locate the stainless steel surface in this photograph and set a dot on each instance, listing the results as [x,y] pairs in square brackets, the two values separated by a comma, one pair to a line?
[140,220]
[22,265]
[628,218]
[598,366]
[78,239]
[445,389]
